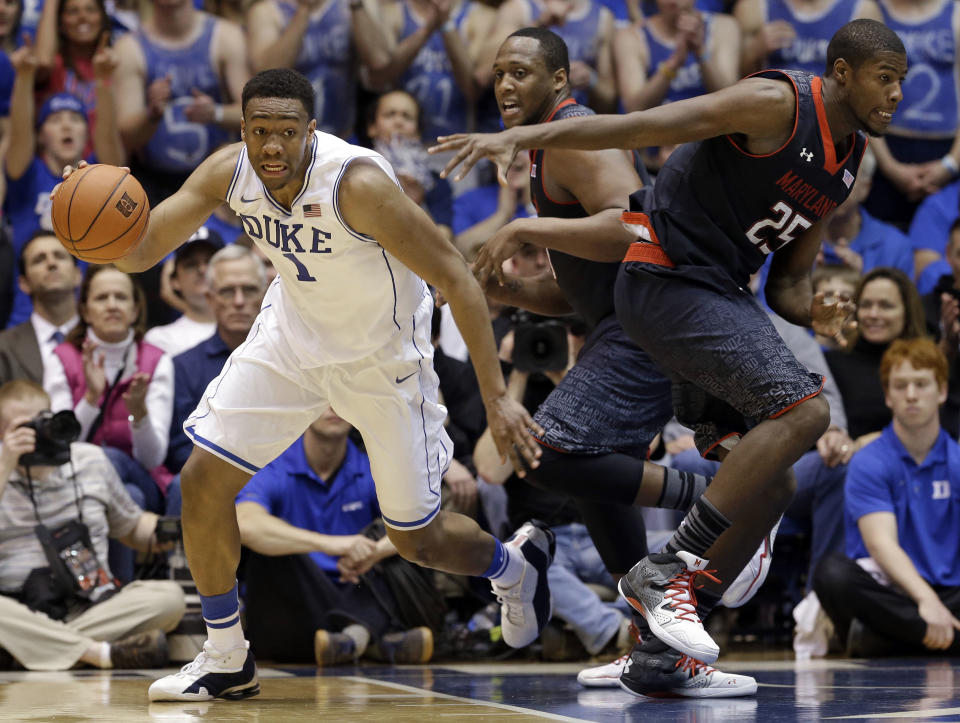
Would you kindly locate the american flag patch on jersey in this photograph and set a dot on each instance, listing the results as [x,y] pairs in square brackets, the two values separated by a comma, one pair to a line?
[312,209]
[847,177]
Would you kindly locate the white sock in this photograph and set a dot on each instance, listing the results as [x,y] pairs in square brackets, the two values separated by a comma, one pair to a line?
[514,571]
[98,655]
[226,639]
[360,635]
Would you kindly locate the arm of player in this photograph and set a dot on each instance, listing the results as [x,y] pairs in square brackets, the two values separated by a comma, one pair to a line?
[879,531]
[372,204]
[772,103]
[540,294]
[601,237]
[273,536]
[178,217]
[790,294]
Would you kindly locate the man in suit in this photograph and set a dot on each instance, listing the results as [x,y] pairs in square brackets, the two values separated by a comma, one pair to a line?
[49,275]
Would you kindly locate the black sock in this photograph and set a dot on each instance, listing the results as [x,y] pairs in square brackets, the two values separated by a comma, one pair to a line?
[707,600]
[699,529]
[681,489]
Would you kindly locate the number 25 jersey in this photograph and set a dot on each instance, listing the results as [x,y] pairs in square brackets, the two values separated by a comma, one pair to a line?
[722,210]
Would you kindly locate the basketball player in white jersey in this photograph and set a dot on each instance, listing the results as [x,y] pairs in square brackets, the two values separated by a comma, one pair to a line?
[345,325]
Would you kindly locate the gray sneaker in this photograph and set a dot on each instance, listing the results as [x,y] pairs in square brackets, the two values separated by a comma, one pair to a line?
[655,670]
[662,588]
[333,648]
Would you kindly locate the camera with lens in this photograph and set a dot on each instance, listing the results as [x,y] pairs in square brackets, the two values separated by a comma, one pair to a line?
[55,432]
[168,529]
[539,342]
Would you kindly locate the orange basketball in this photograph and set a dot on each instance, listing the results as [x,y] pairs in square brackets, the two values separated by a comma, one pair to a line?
[100,213]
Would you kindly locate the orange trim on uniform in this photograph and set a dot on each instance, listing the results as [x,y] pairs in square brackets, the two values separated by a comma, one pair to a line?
[543,163]
[796,122]
[568,101]
[648,249]
[799,401]
[720,441]
[549,446]
[830,163]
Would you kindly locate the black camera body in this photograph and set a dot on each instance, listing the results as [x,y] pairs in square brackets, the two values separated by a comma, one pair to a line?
[539,343]
[55,432]
[168,529]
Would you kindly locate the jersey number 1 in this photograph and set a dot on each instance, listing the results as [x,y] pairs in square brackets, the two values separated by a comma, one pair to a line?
[302,273]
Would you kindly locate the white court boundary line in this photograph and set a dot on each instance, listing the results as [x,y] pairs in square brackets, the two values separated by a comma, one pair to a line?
[423,692]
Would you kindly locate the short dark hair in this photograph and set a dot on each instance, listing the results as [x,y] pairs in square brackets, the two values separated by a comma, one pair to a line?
[552,48]
[374,107]
[280,83]
[861,40]
[39,233]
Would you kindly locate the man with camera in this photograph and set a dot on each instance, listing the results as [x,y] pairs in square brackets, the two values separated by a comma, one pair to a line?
[59,501]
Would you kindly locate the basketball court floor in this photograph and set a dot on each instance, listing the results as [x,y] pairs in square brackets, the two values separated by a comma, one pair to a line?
[906,689]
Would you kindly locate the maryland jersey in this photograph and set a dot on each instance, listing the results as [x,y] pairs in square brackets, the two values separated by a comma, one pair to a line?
[587,285]
[340,295]
[719,210]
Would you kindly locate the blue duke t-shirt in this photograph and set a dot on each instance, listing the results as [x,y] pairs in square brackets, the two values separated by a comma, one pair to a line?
[289,489]
[924,498]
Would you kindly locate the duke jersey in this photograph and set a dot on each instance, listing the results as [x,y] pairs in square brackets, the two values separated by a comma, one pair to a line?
[808,51]
[327,58]
[179,145]
[929,105]
[719,210]
[688,82]
[430,80]
[580,33]
[581,281]
[340,295]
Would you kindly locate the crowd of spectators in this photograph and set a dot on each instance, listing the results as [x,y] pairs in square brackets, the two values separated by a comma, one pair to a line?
[156,86]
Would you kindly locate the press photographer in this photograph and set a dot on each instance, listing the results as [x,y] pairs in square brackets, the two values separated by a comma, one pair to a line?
[59,502]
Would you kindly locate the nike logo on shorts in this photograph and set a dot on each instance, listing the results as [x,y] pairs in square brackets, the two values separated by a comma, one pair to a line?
[403,379]
[248,200]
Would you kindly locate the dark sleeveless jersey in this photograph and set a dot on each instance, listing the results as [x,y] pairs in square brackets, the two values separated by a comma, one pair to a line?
[721,210]
[587,285]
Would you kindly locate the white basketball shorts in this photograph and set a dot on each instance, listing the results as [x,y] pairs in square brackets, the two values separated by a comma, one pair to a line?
[263,401]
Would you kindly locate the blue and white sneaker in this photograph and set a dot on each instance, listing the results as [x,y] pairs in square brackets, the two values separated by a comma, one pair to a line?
[212,674]
[526,606]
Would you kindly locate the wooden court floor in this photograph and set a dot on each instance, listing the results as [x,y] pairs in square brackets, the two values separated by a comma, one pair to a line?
[905,689]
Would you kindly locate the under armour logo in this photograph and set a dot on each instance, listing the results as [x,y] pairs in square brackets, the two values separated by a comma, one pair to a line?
[941,489]
[806,155]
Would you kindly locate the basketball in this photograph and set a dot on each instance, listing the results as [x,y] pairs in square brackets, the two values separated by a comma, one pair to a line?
[100,213]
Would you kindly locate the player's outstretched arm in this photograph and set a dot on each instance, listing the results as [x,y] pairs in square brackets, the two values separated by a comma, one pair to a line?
[771,105]
[372,204]
[178,217]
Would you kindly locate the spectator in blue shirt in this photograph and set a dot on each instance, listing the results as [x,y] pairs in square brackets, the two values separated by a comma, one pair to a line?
[311,592]
[236,282]
[856,239]
[481,212]
[41,144]
[929,231]
[897,590]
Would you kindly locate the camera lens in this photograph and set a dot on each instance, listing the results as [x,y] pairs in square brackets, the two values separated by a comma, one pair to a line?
[63,426]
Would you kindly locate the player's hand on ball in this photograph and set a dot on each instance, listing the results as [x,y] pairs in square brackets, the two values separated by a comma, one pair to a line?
[510,424]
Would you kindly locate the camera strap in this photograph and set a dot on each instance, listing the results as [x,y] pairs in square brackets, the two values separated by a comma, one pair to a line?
[107,393]
[76,494]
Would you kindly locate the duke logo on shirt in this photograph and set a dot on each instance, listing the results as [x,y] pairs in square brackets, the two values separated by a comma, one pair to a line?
[941,489]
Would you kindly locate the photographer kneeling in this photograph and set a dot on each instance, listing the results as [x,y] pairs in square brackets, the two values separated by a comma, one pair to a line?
[59,502]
